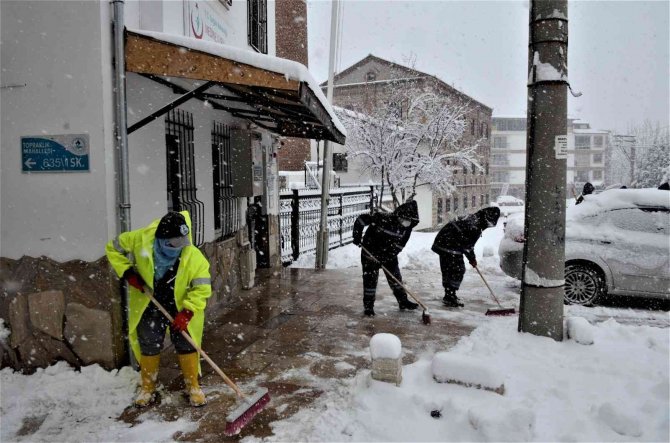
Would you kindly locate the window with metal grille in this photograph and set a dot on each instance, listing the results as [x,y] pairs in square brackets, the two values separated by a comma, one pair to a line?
[455,203]
[257,20]
[439,210]
[474,201]
[226,216]
[447,205]
[465,202]
[340,163]
[181,185]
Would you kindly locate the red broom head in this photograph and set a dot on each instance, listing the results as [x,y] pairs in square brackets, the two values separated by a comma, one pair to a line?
[425,317]
[501,312]
[244,413]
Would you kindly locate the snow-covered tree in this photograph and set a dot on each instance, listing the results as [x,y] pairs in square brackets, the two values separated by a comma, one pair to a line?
[652,154]
[412,141]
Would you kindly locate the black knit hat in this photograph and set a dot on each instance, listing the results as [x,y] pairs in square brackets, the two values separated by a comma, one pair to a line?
[172,225]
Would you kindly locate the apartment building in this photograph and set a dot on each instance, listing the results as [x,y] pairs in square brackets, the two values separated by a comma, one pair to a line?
[366,85]
[587,151]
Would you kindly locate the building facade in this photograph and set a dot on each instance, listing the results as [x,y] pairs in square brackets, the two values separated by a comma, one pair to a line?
[587,153]
[207,106]
[368,84]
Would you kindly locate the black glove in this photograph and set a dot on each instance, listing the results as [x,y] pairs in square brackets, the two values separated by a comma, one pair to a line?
[357,243]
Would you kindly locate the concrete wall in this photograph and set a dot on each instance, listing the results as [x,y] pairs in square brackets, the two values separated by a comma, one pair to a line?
[67,91]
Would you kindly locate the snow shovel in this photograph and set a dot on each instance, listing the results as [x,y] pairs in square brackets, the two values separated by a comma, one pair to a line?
[250,405]
[425,317]
[499,312]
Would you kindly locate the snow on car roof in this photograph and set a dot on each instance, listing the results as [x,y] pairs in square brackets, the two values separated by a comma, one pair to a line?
[619,199]
[508,199]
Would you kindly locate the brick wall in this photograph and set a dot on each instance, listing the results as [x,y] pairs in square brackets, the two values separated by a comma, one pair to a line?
[291,43]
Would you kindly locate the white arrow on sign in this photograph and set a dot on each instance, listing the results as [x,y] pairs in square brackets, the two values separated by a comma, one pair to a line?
[30,163]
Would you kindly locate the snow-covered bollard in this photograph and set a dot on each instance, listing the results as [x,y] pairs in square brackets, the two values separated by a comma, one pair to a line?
[386,353]
[580,330]
[465,371]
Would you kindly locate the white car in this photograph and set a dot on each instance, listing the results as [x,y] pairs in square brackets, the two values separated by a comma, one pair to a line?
[616,242]
[509,205]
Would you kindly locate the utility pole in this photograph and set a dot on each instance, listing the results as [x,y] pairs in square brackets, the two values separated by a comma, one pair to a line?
[542,286]
[323,236]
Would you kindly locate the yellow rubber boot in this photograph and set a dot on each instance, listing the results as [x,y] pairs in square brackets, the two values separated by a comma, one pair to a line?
[149,374]
[189,368]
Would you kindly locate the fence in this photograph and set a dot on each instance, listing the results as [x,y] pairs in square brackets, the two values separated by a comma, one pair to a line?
[300,218]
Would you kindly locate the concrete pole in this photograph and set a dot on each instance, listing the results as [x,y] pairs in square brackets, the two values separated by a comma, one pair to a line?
[541,310]
[322,239]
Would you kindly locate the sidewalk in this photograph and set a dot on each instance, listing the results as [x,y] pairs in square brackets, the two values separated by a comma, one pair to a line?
[298,333]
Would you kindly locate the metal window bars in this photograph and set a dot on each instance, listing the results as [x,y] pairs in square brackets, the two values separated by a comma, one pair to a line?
[226,209]
[181,184]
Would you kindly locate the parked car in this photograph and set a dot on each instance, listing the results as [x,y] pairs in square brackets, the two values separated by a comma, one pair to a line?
[509,205]
[616,242]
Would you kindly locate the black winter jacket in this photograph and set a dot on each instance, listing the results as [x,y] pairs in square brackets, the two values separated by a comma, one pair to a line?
[385,237]
[459,236]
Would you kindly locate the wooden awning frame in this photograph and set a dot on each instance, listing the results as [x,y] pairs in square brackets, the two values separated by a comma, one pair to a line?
[268,99]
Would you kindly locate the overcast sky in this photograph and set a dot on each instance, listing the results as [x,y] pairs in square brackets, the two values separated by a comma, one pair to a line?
[618,55]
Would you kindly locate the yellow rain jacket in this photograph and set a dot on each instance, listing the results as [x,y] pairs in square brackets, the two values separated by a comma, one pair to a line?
[192,284]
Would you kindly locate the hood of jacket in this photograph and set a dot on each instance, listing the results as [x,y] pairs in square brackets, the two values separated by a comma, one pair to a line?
[410,211]
[488,216]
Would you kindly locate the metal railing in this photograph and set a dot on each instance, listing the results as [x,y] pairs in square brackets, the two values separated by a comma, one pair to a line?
[300,214]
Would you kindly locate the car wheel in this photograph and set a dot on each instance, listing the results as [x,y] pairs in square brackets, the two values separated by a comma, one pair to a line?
[583,285]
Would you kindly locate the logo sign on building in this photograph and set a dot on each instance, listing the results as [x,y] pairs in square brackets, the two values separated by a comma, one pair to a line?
[561,147]
[55,153]
[203,22]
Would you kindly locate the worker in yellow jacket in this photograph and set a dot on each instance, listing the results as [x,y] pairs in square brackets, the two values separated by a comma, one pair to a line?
[160,256]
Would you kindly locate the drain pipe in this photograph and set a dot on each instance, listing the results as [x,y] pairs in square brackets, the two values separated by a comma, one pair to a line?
[121,123]
[121,147]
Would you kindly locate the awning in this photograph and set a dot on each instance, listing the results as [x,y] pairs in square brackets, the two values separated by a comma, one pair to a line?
[276,94]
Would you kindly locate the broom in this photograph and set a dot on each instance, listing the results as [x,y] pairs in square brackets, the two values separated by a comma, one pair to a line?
[251,404]
[425,317]
[500,312]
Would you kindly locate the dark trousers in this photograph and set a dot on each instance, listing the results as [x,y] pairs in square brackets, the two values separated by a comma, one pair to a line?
[453,270]
[151,331]
[371,277]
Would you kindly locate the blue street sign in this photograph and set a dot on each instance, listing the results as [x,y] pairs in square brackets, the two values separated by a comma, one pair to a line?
[55,153]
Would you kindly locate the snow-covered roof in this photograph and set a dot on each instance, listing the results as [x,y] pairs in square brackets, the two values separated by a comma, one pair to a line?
[590,131]
[289,69]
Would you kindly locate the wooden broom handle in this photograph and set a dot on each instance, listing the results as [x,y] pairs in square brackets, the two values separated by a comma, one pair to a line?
[393,277]
[487,285]
[149,293]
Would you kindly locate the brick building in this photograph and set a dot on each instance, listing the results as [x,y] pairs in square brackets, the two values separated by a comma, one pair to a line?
[367,84]
[291,43]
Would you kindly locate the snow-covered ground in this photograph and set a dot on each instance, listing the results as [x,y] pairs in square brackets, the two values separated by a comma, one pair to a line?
[616,389]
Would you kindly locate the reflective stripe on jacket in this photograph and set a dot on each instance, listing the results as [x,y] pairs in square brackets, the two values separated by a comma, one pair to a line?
[192,284]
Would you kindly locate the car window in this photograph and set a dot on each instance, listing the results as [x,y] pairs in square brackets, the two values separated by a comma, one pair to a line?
[655,221]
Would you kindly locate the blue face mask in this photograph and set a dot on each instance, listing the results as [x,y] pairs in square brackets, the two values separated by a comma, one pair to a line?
[166,249]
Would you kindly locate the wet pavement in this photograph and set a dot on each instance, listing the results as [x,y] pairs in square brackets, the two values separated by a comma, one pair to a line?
[298,333]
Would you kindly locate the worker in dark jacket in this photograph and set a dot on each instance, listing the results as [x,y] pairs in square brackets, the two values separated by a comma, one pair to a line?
[385,237]
[587,190]
[458,238]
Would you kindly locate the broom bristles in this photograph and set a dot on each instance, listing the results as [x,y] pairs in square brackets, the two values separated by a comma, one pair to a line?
[244,413]
[501,312]
[425,317]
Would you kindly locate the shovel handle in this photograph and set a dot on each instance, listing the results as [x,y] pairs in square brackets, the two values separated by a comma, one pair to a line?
[487,285]
[393,277]
[149,293]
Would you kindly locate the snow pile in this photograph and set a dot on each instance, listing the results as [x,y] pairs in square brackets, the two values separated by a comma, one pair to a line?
[579,330]
[448,368]
[615,390]
[65,405]
[385,346]
[618,199]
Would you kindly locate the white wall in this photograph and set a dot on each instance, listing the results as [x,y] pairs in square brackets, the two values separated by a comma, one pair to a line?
[55,49]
